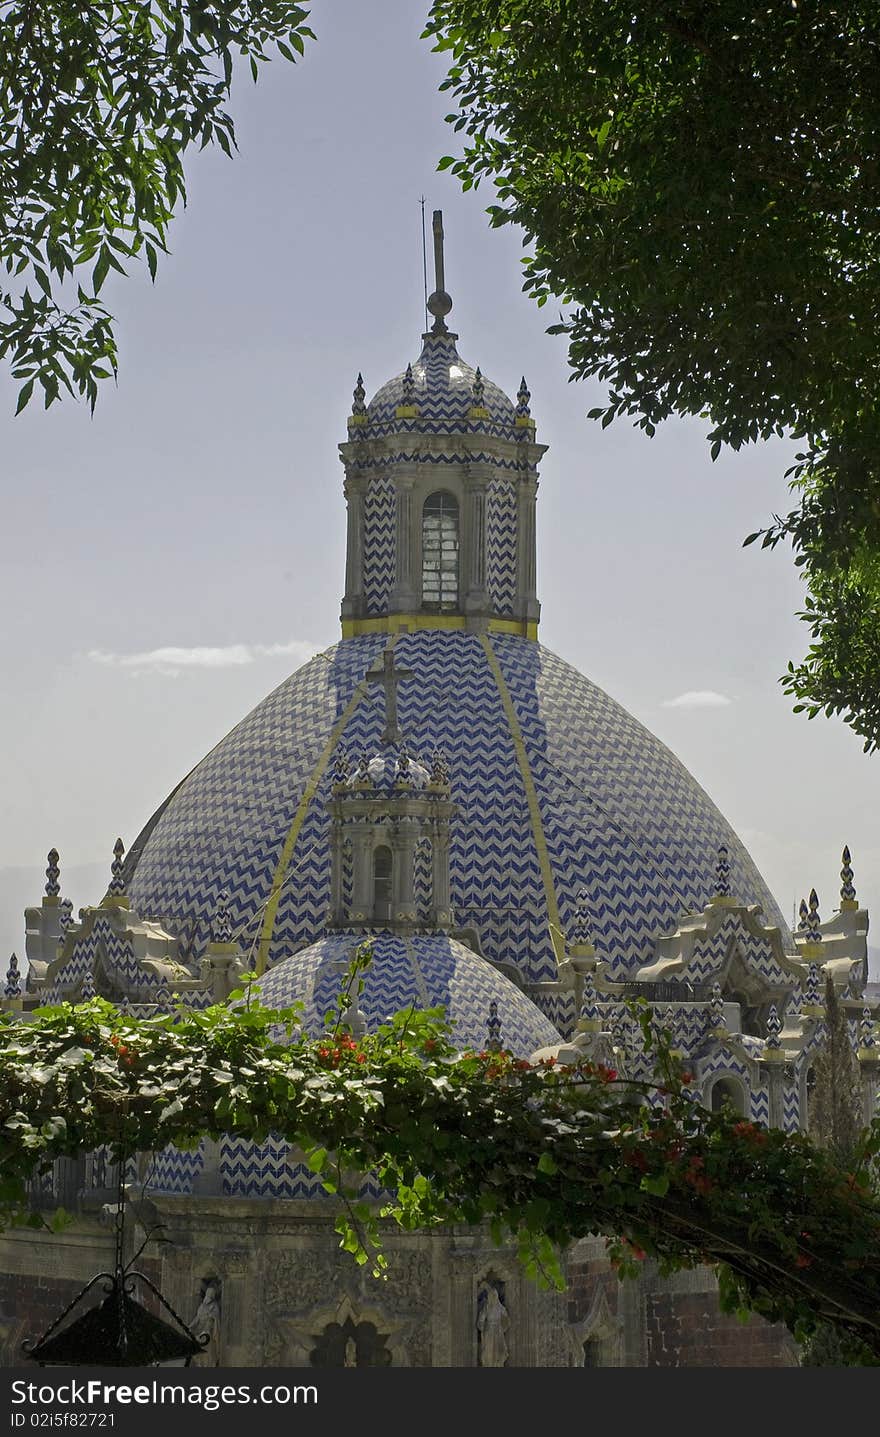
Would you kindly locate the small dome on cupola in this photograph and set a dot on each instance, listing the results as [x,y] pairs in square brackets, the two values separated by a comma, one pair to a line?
[390,769]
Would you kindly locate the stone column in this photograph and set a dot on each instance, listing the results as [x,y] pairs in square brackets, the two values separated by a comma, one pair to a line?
[526,563]
[403,849]
[336,914]
[476,600]
[441,903]
[869,1064]
[352,602]
[362,874]
[774,1068]
[403,598]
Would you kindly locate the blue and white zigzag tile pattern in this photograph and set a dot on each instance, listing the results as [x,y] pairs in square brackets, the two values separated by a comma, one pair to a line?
[443,394]
[115,952]
[621,816]
[226,825]
[501,544]
[427,970]
[379,531]
[709,954]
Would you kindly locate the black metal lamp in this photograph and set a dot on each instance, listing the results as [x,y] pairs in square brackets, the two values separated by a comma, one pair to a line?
[119,1331]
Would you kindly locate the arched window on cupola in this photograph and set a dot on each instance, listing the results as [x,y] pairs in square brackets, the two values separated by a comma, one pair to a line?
[381,883]
[440,550]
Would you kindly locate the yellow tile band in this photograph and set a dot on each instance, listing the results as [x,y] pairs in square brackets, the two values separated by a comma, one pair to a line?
[299,818]
[407,623]
[557,937]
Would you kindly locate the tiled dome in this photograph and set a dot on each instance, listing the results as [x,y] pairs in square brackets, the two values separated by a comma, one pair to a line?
[426,970]
[604,807]
[440,385]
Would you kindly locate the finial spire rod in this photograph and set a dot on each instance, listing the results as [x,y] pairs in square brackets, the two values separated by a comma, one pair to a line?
[439,277]
[439,303]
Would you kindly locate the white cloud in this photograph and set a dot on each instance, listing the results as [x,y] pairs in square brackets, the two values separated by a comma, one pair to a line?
[172,659]
[697,699]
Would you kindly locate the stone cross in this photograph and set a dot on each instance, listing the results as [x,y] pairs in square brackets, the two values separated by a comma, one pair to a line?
[389,677]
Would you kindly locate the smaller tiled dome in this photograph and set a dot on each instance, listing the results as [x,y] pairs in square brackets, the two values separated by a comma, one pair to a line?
[447,394]
[423,969]
[388,769]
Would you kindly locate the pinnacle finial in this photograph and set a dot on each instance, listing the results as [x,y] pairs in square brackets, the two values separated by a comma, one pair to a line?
[439,303]
[774,1027]
[589,1002]
[439,768]
[341,768]
[478,389]
[522,400]
[221,928]
[53,874]
[581,930]
[812,996]
[813,932]
[493,1028]
[13,979]
[803,917]
[117,882]
[716,1007]
[409,386]
[358,407]
[847,889]
[866,1036]
[722,873]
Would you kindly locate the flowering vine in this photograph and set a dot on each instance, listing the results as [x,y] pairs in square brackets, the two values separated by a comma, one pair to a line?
[545,1153]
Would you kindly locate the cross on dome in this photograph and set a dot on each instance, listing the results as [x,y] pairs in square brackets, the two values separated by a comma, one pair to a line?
[390,677]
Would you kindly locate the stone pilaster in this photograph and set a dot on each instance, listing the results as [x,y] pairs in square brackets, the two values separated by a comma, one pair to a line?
[362,874]
[403,849]
[527,605]
[403,597]
[476,596]
[352,602]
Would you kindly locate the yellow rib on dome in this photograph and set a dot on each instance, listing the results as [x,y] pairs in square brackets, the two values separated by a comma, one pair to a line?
[557,937]
[308,794]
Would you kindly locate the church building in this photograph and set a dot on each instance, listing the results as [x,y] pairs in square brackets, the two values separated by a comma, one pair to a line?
[518,849]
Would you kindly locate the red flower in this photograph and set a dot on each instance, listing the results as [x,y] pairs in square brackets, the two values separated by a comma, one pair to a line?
[362,1057]
[803,1259]
[687,1078]
[429,1045]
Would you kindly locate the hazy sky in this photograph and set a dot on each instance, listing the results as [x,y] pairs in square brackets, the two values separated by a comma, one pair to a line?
[172,559]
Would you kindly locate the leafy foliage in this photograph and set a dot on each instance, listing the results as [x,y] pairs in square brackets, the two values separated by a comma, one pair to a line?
[545,1154]
[98,105]
[699,186]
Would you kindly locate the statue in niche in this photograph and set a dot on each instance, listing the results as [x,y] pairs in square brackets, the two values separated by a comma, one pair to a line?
[351,1353]
[493,1321]
[206,1323]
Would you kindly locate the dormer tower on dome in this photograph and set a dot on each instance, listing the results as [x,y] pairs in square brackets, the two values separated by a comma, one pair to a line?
[441,480]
